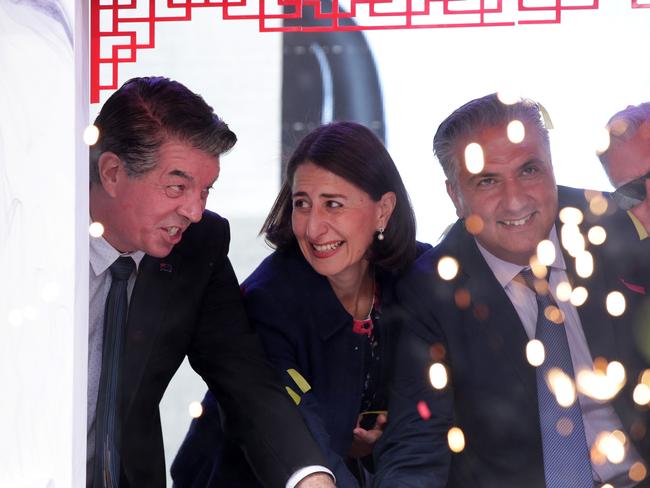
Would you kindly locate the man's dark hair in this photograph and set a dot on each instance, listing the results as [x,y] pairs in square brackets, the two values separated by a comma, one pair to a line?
[147,112]
[354,153]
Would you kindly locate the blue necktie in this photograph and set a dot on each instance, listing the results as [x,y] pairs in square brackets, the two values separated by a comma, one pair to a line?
[107,425]
[566,455]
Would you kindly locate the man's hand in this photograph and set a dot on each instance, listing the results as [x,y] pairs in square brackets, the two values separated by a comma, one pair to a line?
[316,480]
[364,440]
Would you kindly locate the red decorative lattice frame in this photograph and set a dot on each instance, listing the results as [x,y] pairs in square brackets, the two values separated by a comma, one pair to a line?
[120,28]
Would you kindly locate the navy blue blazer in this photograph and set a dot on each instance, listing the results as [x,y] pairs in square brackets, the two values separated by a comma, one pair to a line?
[304,329]
[491,393]
[188,304]
[629,257]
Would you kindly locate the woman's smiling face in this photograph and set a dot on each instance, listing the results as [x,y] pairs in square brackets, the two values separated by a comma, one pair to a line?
[333,220]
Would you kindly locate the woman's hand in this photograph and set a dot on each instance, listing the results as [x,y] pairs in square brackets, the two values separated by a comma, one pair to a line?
[364,440]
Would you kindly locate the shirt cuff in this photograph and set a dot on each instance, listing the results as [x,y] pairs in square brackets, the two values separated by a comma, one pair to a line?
[302,473]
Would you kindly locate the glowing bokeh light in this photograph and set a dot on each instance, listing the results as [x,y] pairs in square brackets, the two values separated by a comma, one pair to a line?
[437,352]
[597,235]
[423,410]
[516,131]
[438,376]
[474,224]
[535,353]
[91,135]
[572,240]
[616,371]
[447,268]
[579,296]
[638,472]
[462,298]
[612,446]
[562,387]
[618,126]
[554,314]
[563,291]
[584,264]
[508,97]
[96,229]
[456,439]
[546,252]
[598,205]
[615,303]
[571,216]
[564,426]
[538,269]
[541,286]
[474,159]
[645,377]
[601,383]
[195,409]
[641,394]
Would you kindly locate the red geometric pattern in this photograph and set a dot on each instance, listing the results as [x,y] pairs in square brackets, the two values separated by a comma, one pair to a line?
[120,28]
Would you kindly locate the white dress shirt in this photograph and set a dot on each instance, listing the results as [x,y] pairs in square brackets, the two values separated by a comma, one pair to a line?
[102,255]
[597,416]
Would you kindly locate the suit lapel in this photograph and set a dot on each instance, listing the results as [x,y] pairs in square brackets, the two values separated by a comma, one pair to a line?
[146,314]
[596,323]
[502,325]
[495,313]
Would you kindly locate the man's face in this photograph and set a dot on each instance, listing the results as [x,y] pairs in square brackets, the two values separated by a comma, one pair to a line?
[514,195]
[152,211]
[627,161]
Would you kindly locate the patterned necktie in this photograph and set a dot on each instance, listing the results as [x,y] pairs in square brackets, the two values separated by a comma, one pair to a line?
[566,455]
[107,440]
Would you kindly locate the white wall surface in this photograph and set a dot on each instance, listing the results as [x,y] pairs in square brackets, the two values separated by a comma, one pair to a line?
[42,400]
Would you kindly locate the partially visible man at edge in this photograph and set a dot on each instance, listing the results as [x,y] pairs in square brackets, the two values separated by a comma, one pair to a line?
[627,164]
[477,324]
[151,170]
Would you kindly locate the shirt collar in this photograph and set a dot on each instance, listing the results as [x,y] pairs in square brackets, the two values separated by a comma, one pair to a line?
[102,255]
[640,229]
[505,271]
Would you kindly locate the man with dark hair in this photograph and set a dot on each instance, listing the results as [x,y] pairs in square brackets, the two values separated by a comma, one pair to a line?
[162,288]
[488,367]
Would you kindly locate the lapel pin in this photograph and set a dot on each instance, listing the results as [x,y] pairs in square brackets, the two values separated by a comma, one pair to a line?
[166,267]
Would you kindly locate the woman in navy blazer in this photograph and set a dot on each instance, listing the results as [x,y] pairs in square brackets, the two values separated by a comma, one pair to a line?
[322,303]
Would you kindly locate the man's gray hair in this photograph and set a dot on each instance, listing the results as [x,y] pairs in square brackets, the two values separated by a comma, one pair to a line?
[624,125]
[476,115]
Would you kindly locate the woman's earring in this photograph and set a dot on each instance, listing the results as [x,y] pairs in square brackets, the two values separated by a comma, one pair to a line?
[380,236]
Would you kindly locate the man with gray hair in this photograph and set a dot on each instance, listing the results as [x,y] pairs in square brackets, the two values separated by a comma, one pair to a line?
[627,164]
[162,288]
[484,392]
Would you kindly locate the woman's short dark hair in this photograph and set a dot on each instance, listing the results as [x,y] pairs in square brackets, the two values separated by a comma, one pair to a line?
[354,153]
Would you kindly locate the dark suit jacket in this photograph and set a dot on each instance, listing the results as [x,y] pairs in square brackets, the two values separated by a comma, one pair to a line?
[629,256]
[304,327]
[189,304]
[491,394]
